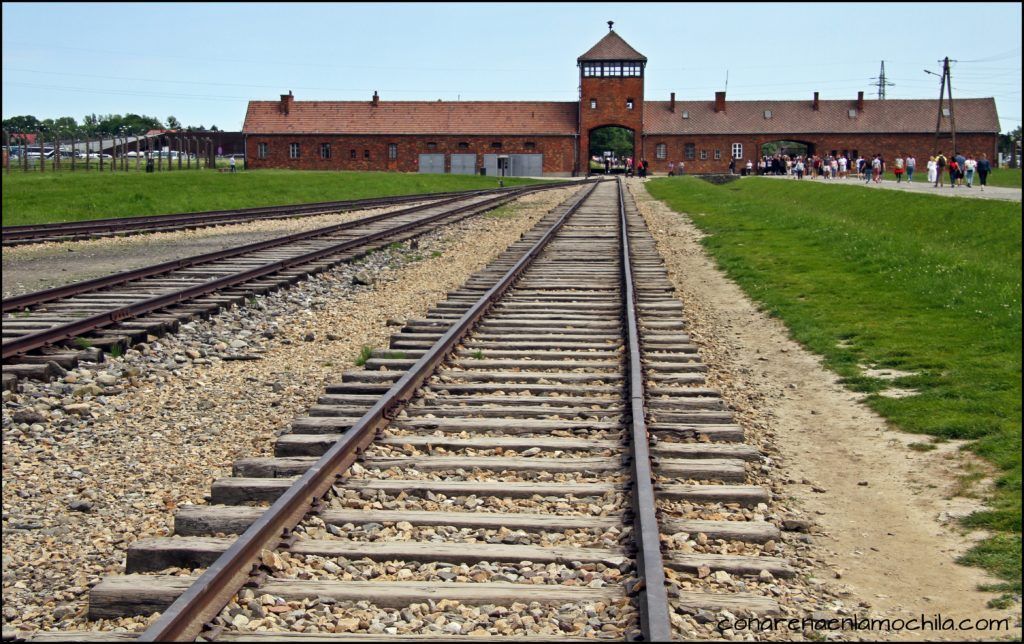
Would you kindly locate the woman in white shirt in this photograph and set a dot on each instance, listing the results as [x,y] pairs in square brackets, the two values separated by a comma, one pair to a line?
[932,167]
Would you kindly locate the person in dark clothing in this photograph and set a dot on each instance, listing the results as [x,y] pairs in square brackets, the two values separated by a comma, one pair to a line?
[984,167]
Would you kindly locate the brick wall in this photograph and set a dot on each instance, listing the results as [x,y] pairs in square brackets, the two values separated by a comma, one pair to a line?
[371,152]
[611,95]
[888,145]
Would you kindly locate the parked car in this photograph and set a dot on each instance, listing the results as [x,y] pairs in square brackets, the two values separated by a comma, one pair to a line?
[96,156]
[34,153]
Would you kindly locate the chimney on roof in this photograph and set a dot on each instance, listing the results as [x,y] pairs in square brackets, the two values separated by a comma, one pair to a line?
[719,101]
[672,102]
[860,101]
[376,99]
[286,102]
[815,105]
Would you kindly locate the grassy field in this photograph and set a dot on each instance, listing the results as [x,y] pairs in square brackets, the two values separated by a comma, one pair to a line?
[914,282]
[36,198]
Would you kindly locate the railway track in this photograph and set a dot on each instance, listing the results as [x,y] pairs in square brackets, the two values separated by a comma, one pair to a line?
[529,461]
[46,331]
[117,226]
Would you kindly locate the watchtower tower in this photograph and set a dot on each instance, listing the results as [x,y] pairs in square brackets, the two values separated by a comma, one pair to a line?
[611,90]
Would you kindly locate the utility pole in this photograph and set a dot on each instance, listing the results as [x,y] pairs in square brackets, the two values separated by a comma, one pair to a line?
[882,83]
[945,87]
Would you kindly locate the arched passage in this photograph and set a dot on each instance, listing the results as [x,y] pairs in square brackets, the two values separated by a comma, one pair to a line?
[787,148]
[610,146]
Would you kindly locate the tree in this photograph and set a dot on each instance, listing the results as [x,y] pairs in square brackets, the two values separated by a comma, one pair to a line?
[22,124]
[617,140]
[173,123]
[213,128]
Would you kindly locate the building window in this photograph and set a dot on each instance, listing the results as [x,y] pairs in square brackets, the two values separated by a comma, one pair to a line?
[631,69]
[325,150]
[463,145]
[629,103]
[703,155]
[661,151]
[853,113]
[351,154]
[530,145]
[392,151]
[431,145]
[718,155]
[690,151]
[593,103]
[261,150]
[686,114]
[293,151]
[767,114]
[737,150]
[366,154]
[613,69]
[496,145]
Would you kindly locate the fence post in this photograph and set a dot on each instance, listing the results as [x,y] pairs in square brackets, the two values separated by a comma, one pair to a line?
[7,149]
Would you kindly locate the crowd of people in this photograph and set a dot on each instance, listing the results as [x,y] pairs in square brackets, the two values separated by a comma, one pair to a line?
[959,169]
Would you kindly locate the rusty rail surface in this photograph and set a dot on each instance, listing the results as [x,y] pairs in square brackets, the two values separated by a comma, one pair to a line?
[185,618]
[655,622]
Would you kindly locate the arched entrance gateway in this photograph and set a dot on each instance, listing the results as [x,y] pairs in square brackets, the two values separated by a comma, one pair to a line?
[610,148]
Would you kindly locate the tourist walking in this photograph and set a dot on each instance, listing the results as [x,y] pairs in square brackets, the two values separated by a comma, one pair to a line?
[984,167]
[960,160]
[970,165]
[898,169]
[940,169]
[954,172]
[911,166]
[732,165]
[931,167]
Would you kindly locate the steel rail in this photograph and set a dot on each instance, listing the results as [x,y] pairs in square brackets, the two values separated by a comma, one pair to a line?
[20,302]
[70,330]
[217,217]
[205,598]
[655,622]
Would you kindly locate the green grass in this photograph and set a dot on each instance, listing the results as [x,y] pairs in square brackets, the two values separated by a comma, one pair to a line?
[907,281]
[364,354]
[36,198]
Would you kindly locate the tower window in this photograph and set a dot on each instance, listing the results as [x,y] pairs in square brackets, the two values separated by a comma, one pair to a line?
[629,103]
[593,103]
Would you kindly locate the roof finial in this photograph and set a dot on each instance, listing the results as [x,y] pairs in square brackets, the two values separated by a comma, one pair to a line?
[610,23]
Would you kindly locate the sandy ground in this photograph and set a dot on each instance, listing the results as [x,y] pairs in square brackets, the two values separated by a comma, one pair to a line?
[883,511]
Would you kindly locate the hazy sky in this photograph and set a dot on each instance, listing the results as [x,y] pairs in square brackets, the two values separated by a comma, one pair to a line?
[202,62]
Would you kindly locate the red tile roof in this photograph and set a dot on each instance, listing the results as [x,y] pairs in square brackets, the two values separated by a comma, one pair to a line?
[797,117]
[612,47]
[412,117]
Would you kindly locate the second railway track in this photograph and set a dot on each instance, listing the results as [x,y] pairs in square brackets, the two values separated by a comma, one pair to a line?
[530,460]
[98,228]
[121,308]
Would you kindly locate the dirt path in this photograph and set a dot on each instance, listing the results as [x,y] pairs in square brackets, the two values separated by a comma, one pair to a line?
[882,510]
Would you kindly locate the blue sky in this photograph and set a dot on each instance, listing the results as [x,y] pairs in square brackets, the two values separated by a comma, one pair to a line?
[202,62]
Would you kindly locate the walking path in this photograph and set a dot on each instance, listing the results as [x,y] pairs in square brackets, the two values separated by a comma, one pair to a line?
[990,192]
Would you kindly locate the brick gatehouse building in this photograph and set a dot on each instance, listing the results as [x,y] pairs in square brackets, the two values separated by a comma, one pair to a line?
[553,138]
